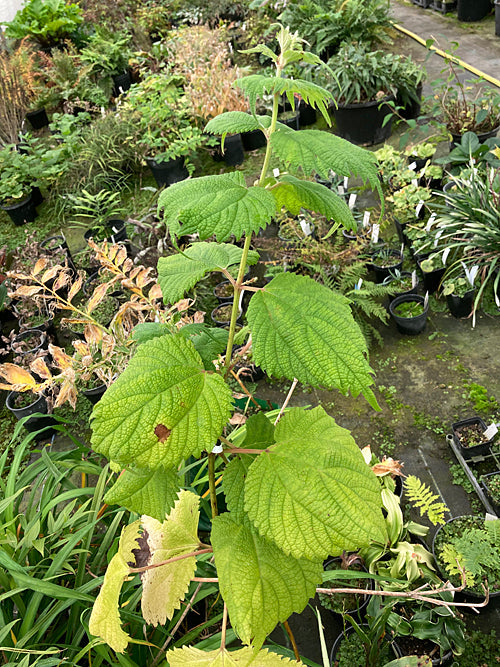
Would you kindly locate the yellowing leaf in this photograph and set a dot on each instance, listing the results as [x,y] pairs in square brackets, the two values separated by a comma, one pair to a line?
[105,618]
[165,587]
[62,281]
[39,266]
[39,367]
[189,656]
[75,288]
[121,255]
[50,273]
[61,359]
[16,375]
[66,393]
[97,297]
[93,335]
[155,292]
[27,291]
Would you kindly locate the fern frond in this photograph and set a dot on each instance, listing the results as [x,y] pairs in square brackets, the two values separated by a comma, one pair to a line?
[426,501]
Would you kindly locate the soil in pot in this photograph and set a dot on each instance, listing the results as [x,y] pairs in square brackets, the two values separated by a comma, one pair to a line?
[469,437]
[36,404]
[404,285]
[224,291]
[222,315]
[409,312]
[423,647]
[23,400]
[345,602]
[28,342]
[409,309]
[386,262]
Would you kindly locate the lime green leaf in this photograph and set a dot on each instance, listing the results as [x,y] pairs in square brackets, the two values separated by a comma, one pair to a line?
[209,343]
[274,585]
[179,273]
[326,348]
[295,194]
[319,151]
[151,492]
[188,656]
[105,619]
[147,330]
[257,85]
[312,492]
[164,587]
[233,122]
[163,408]
[216,205]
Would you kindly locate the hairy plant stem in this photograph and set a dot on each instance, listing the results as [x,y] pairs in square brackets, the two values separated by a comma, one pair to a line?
[211,484]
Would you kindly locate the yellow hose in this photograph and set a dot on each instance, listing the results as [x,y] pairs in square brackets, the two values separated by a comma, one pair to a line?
[448,56]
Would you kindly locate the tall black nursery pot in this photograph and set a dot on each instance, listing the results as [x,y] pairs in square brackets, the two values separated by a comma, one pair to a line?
[362,123]
[409,325]
[461,306]
[233,151]
[21,213]
[117,231]
[473,10]
[169,172]
[121,83]
[34,423]
[37,118]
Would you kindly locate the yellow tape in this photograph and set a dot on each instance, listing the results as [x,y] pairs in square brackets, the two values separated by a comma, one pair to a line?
[448,56]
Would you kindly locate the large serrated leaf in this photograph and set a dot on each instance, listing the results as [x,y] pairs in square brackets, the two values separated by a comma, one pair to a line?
[179,273]
[295,194]
[105,618]
[188,656]
[233,122]
[326,348]
[163,408]
[164,587]
[151,492]
[219,205]
[319,151]
[257,85]
[312,492]
[274,585]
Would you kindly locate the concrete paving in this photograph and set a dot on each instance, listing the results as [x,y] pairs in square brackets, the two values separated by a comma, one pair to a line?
[478,45]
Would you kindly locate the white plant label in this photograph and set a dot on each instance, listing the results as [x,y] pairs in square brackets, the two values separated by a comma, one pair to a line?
[357,286]
[366,219]
[418,210]
[413,278]
[412,166]
[305,226]
[426,300]
[276,172]
[346,182]
[341,190]
[430,222]
[332,174]
[375,232]
[402,249]
[217,448]
[415,182]
[490,431]
[446,252]
[352,200]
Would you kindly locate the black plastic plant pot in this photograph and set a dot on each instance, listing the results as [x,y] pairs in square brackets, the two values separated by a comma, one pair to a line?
[432,279]
[412,290]
[410,109]
[461,306]
[117,232]
[233,150]
[220,319]
[121,83]
[95,394]
[224,292]
[469,452]
[307,114]
[253,140]
[482,136]
[409,325]
[363,123]
[473,10]
[37,335]
[360,601]
[292,123]
[409,644]
[37,119]
[486,481]
[383,272]
[22,212]
[169,172]
[394,650]
[36,195]
[422,3]
[33,424]
[444,6]
[497,18]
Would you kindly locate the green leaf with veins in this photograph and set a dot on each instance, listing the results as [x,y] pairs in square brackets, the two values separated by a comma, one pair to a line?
[294,194]
[179,273]
[326,348]
[163,408]
[219,205]
[151,492]
[319,151]
[259,583]
[189,656]
[236,121]
[312,492]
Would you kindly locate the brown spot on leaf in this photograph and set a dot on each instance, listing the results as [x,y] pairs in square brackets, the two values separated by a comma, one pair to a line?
[142,553]
[162,432]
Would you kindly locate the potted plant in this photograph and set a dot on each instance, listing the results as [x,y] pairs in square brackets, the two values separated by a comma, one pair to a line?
[459,292]
[409,312]
[469,436]
[491,484]
[295,230]
[403,282]
[165,129]
[420,153]
[363,82]
[102,209]
[346,603]
[433,269]
[407,205]
[384,262]
[17,179]
[107,57]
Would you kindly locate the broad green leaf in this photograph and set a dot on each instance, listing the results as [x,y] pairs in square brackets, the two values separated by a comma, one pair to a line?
[188,656]
[162,409]
[151,492]
[312,492]
[179,273]
[257,85]
[105,618]
[326,348]
[233,122]
[209,344]
[295,194]
[145,331]
[164,587]
[216,205]
[259,583]
[319,151]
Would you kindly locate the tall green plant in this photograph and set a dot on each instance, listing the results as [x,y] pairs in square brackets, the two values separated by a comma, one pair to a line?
[298,489]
